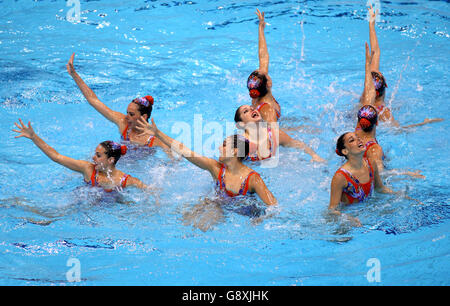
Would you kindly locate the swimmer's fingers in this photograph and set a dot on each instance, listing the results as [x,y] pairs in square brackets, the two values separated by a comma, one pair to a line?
[318,159]
[23,130]
[260,17]
[417,174]
[153,126]
[21,123]
[372,14]
[428,120]
[415,200]
[18,136]
[69,66]
[142,125]
[20,127]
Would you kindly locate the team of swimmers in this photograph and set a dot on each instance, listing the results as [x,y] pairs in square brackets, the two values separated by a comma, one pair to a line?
[351,183]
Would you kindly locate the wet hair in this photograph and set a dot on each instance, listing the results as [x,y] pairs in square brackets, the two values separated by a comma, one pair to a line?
[242,145]
[367,117]
[237,115]
[114,149]
[145,105]
[257,84]
[379,82]
[340,145]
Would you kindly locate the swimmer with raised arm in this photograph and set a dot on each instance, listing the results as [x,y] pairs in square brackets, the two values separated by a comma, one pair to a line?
[368,121]
[259,82]
[126,124]
[264,137]
[232,177]
[380,85]
[101,173]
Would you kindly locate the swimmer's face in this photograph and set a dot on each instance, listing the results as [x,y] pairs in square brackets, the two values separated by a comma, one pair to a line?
[226,150]
[133,114]
[353,144]
[101,160]
[249,114]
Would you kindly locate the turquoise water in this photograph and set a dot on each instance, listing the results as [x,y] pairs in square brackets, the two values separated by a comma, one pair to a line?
[193,57]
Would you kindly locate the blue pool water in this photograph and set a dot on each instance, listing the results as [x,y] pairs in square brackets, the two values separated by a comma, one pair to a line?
[193,57]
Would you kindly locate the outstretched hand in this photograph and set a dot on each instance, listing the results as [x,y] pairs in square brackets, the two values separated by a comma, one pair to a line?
[144,127]
[416,174]
[69,66]
[23,130]
[428,120]
[372,14]
[316,158]
[261,18]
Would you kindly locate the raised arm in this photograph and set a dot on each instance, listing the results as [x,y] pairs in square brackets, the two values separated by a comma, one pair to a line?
[263,52]
[375,65]
[73,164]
[257,185]
[369,94]
[90,96]
[288,141]
[200,161]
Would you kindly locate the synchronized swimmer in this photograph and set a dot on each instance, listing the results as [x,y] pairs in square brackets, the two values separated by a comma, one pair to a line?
[101,173]
[139,107]
[353,182]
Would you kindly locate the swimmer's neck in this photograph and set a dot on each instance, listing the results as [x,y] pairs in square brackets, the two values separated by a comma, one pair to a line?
[233,165]
[379,100]
[355,162]
[368,135]
[108,172]
[259,100]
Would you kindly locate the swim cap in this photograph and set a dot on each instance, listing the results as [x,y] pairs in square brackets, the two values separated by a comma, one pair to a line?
[116,147]
[257,85]
[367,117]
[144,101]
[379,82]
